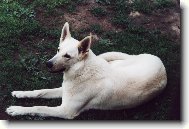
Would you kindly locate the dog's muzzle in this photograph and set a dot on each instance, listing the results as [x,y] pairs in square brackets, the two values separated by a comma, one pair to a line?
[49,64]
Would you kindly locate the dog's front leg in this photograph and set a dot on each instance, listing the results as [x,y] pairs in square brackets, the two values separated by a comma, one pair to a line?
[44,111]
[43,93]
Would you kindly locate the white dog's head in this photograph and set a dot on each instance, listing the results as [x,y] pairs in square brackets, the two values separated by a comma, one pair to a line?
[70,51]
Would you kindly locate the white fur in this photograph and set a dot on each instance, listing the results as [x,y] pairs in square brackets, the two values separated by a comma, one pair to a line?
[112,80]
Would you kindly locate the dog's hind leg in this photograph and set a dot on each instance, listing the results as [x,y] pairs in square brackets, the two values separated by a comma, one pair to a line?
[43,93]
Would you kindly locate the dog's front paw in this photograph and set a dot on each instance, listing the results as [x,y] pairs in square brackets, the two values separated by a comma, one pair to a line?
[18,94]
[15,110]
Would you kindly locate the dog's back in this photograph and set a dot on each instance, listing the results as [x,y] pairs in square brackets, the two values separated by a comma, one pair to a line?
[135,79]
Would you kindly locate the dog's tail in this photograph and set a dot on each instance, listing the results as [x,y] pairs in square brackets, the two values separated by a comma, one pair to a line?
[111,56]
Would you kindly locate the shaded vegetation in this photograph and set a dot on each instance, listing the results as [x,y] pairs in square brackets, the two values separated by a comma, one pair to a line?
[98,12]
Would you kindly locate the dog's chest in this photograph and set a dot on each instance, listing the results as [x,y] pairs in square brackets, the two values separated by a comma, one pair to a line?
[73,89]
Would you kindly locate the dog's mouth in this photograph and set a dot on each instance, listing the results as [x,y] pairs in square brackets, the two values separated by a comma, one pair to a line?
[57,71]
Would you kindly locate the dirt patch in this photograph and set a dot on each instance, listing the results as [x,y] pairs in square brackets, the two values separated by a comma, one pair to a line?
[165,20]
[50,20]
[80,19]
[83,18]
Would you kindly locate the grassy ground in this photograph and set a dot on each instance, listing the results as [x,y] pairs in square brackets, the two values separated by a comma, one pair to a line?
[27,43]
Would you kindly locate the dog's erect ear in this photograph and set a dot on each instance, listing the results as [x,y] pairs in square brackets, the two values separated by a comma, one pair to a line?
[84,45]
[65,32]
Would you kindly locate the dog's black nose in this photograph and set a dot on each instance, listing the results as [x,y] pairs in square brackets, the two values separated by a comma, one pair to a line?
[49,64]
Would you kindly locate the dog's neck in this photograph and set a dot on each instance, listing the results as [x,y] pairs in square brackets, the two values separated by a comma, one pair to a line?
[85,69]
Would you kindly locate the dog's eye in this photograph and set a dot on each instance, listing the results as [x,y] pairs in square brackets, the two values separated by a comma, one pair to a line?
[58,50]
[67,56]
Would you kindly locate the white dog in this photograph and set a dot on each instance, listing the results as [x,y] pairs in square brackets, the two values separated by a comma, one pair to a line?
[112,80]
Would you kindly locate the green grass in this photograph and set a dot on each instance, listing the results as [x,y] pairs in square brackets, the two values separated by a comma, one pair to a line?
[98,12]
[26,46]
[164,3]
[121,20]
[51,5]
[145,6]
[96,28]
